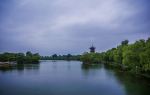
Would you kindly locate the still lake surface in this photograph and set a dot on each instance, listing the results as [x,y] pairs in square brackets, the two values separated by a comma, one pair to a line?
[69,78]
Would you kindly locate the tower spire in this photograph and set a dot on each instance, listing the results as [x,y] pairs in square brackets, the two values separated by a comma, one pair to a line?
[92,48]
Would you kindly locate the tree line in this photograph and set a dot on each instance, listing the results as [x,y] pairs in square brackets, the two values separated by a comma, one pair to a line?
[61,57]
[20,58]
[134,57]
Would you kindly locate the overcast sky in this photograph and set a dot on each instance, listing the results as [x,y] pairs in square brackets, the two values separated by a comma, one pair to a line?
[71,26]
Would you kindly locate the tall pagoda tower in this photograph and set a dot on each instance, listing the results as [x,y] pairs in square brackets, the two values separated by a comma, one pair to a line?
[92,49]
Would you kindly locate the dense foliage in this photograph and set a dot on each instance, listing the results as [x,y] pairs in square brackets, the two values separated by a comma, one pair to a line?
[20,58]
[134,57]
[61,57]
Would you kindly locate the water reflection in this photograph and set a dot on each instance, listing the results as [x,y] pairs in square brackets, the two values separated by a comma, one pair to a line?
[70,78]
[133,84]
[89,70]
[21,67]
[88,66]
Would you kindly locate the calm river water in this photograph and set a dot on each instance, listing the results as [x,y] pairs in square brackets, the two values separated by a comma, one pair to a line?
[69,78]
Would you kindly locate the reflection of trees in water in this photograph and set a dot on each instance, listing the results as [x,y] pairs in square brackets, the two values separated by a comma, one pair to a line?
[133,84]
[91,66]
[21,67]
[90,69]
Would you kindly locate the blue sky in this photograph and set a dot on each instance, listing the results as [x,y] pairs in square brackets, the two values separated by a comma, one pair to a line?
[71,26]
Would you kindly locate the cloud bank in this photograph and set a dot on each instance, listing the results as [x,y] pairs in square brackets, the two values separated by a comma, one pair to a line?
[71,26]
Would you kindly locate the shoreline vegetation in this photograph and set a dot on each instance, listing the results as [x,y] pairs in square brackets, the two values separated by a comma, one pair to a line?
[134,58]
[61,57]
[11,59]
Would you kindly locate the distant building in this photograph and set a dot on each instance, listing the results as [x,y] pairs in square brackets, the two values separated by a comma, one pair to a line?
[92,49]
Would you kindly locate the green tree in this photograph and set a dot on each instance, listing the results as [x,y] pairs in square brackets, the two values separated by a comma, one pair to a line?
[20,58]
[54,56]
[28,53]
[125,42]
[145,56]
[35,58]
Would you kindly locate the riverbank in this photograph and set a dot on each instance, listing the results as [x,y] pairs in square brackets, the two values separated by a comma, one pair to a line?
[132,58]
[119,68]
[126,69]
[7,64]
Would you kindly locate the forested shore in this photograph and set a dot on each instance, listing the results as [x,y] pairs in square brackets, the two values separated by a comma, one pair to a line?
[19,58]
[61,57]
[134,57]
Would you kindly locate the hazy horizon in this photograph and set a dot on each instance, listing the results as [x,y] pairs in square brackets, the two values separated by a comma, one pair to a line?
[71,26]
